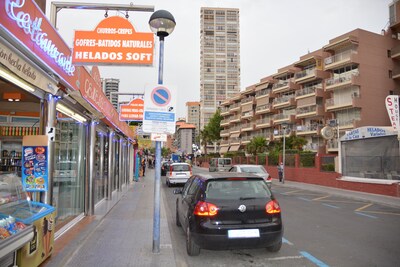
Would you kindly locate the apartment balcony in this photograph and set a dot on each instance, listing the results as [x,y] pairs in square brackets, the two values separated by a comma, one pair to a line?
[395,52]
[284,118]
[246,139]
[267,108]
[396,73]
[234,119]
[263,93]
[225,122]
[315,90]
[286,85]
[248,100]
[344,80]
[224,142]
[278,134]
[308,129]
[284,101]
[234,141]
[224,133]
[345,125]
[346,57]
[263,123]
[224,111]
[310,75]
[234,108]
[353,101]
[247,115]
[247,127]
[310,111]
[234,131]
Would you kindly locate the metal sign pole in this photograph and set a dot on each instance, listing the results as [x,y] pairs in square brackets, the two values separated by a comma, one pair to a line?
[157,181]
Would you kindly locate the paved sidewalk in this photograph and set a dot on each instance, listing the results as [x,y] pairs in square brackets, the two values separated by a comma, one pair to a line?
[124,236]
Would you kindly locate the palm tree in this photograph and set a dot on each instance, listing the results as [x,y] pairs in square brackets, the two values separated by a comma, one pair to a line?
[257,145]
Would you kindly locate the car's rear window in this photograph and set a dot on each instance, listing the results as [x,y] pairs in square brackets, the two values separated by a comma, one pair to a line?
[181,168]
[253,169]
[237,189]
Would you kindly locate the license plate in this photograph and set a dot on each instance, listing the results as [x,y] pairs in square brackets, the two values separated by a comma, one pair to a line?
[243,233]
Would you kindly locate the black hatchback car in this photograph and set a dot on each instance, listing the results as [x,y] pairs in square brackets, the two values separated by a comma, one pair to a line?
[222,211]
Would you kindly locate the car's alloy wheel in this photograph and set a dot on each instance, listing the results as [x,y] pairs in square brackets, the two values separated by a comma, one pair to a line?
[276,247]
[191,248]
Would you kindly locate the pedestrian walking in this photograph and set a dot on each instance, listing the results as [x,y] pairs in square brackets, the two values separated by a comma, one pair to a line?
[143,166]
[280,171]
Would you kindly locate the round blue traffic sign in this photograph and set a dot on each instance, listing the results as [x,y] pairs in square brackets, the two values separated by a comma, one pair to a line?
[160,96]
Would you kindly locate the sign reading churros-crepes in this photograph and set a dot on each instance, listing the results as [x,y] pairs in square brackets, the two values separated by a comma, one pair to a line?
[113,42]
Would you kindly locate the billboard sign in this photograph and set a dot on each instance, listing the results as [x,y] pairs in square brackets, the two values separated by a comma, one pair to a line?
[392,107]
[132,111]
[113,42]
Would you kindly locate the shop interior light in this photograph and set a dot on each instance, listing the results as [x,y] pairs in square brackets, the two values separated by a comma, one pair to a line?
[15,80]
[12,97]
[63,109]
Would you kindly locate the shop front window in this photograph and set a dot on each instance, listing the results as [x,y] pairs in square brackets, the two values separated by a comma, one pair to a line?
[116,164]
[100,177]
[69,171]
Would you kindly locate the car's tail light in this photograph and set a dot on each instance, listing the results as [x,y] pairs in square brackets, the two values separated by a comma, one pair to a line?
[269,178]
[170,170]
[205,209]
[273,207]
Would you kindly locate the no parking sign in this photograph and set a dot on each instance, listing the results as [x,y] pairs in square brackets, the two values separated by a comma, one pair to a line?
[159,110]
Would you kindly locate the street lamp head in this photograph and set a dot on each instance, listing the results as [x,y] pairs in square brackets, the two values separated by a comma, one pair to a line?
[162,23]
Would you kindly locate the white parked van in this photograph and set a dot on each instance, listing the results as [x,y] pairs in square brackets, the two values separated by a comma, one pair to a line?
[220,164]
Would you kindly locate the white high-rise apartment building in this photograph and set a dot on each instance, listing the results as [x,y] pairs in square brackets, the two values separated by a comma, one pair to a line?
[219,58]
[111,89]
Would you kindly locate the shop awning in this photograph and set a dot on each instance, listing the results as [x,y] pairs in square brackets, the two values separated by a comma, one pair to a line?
[234,135]
[234,148]
[223,149]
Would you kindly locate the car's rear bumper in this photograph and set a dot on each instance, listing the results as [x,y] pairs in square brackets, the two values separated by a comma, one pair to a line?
[177,180]
[222,242]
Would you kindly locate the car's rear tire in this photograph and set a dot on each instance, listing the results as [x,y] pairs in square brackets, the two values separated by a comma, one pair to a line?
[276,247]
[191,248]
[178,223]
[168,183]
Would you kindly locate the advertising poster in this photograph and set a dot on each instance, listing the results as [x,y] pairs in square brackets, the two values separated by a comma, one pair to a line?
[34,168]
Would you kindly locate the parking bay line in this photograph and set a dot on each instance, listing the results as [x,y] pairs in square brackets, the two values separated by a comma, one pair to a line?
[331,206]
[366,215]
[313,259]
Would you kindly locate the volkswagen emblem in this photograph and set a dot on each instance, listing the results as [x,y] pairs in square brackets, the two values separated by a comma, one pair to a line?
[242,208]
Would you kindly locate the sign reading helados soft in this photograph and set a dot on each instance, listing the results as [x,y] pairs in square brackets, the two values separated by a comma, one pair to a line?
[392,106]
[113,42]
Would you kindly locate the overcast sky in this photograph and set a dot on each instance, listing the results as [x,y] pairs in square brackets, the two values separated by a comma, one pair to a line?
[273,34]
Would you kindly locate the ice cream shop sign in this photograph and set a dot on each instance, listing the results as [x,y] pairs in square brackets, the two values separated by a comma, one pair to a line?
[114,41]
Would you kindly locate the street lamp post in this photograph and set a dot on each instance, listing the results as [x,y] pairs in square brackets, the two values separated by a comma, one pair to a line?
[162,23]
[284,152]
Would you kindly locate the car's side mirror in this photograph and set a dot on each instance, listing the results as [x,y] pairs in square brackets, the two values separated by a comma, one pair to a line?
[177,191]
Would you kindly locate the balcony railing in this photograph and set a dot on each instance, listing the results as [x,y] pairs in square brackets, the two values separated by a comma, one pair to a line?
[263,92]
[280,84]
[308,90]
[247,100]
[283,99]
[308,109]
[307,128]
[345,77]
[264,121]
[247,114]
[263,107]
[339,57]
[304,73]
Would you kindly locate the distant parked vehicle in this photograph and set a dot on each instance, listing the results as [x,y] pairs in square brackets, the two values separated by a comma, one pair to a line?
[255,169]
[220,164]
[225,210]
[178,173]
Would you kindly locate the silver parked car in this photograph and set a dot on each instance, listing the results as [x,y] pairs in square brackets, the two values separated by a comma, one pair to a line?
[255,169]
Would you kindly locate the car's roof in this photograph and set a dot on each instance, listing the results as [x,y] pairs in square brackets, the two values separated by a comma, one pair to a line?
[224,175]
[179,163]
[246,165]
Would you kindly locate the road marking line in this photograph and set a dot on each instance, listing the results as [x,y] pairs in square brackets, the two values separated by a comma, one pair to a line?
[319,198]
[285,258]
[303,198]
[284,240]
[364,207]
[313,259]
[383,212]
[331,206]
[366,215]
[290,192]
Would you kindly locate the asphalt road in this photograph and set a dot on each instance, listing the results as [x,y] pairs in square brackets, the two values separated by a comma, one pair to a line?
[320,230]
